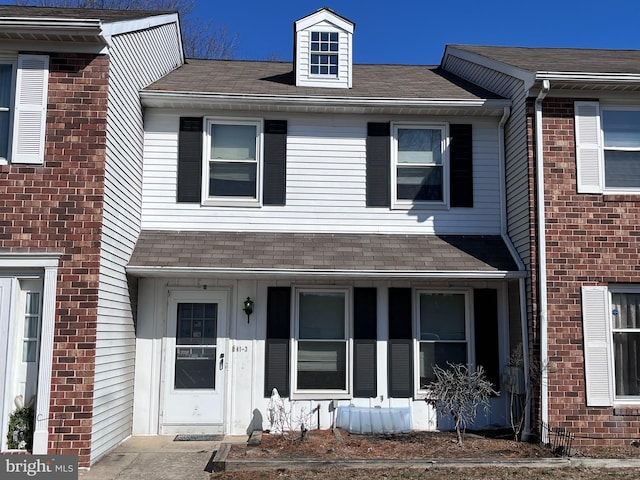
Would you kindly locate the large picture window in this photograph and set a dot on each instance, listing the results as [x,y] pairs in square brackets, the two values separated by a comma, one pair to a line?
[233,169]
[443,332]
[419,167]
[626,343]
[322,353]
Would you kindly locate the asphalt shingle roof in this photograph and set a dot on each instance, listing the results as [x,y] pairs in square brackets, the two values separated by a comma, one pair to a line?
[12,11]
[561,59]
[276,78]
[321,251]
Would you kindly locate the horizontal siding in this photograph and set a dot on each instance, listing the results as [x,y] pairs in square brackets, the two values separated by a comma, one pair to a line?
[325,184]
[516,168]
[136,60]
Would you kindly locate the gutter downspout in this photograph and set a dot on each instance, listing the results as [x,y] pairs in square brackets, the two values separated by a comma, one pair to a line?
[522,285]
[542,257]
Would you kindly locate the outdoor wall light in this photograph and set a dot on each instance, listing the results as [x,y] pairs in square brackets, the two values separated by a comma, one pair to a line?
[248,307]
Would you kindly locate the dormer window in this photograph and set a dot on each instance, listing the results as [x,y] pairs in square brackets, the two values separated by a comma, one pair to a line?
[324,53]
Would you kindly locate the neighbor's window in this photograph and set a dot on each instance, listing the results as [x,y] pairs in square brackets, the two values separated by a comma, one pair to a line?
[7,73]
[621,129]
[419,167]
[324,53]
[626,343]
[234,161]
[443,332]
[322,351]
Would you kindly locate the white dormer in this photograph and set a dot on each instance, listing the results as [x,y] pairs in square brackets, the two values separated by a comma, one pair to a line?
[323,56]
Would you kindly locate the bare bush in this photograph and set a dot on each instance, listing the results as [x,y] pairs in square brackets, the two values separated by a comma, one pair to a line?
[458,392]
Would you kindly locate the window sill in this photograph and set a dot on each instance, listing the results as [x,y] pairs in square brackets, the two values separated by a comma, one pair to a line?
[231,203]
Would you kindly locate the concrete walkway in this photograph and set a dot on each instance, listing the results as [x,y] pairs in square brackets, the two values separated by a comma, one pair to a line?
[157,458]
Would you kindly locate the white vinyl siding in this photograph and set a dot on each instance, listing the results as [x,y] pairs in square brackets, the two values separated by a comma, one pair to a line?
[326,184]
[597,346]
[588,147]
[30,109]
[136,60]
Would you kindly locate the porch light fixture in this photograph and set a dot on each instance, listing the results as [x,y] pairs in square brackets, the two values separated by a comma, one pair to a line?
[248,307]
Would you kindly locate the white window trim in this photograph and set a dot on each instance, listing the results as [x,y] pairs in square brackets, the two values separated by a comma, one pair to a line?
[468,325]
[322,394]
[206,150]
[617,190]
[634,289]
[13,61]
[410,204]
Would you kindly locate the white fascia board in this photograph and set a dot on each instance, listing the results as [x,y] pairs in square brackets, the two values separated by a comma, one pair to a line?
[151,98]
[127,26]
[589,77]
[324,15]
[236,272]
[526,76]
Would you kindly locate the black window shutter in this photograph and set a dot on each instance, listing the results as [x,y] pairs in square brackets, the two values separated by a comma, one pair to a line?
[400,343]
[485,308]
[378,165]
[275,162]
[189,185]
[461,165]
[277,346]
[364,342]
[400,313]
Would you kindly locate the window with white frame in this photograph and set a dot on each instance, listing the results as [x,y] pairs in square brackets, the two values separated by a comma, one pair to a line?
[419,163]
[233,164]
[322,332]
[7,77]
[443,332]
[625,329]
[621,135]
[324,53]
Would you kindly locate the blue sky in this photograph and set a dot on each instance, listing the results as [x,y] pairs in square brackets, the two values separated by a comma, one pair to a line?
[416,31]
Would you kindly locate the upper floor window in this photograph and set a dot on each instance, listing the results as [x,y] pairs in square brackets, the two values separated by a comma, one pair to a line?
[233,168]
[7,76]
[607,148]
[418,170]
[621,134]
[324,53]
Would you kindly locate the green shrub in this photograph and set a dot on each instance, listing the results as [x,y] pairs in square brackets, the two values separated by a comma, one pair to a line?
[20,434]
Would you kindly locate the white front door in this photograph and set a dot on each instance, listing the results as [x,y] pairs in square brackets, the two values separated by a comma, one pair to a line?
[194,373]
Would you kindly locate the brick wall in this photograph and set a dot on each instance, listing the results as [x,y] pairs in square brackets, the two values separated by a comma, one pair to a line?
[57,207]
[591,240]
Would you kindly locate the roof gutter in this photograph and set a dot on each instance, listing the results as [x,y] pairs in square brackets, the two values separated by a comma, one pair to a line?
[152,97]
[591,77]
[542,255]
[143,271]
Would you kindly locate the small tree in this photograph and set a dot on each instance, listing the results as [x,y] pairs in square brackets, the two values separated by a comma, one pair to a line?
[457,392]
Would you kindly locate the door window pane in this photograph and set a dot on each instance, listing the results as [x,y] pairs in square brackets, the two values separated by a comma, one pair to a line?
[196,338]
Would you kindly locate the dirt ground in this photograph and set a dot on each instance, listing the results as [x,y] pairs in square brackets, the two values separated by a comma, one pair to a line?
[325,444]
